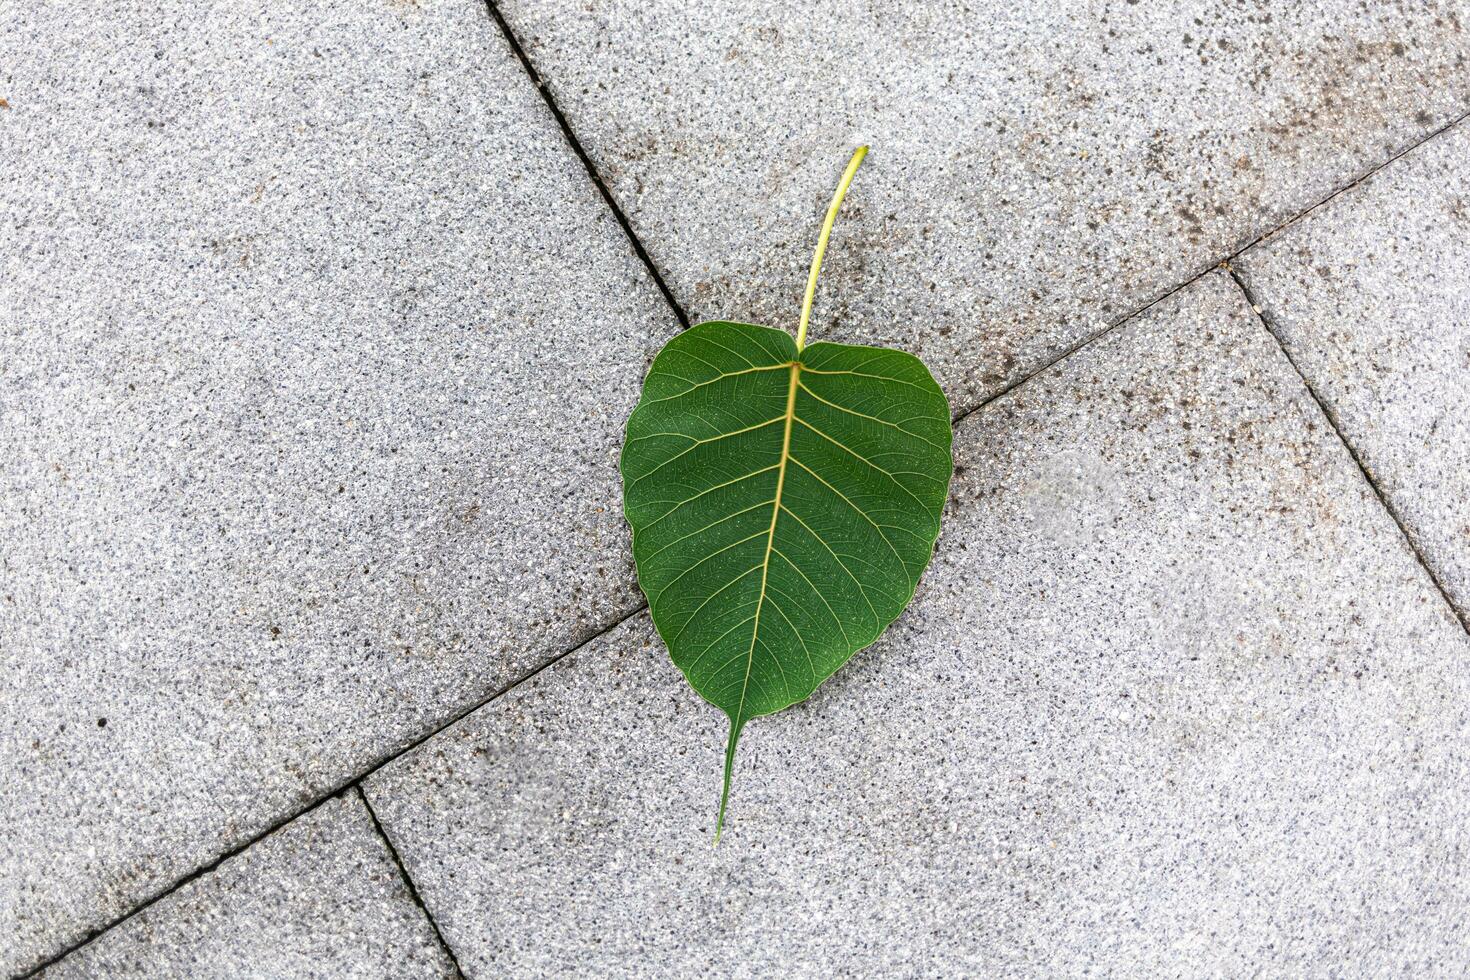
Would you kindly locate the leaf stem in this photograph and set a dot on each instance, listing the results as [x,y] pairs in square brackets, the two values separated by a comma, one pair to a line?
[811,280]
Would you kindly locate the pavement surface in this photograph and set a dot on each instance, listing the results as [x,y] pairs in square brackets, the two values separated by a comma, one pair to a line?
[321,652]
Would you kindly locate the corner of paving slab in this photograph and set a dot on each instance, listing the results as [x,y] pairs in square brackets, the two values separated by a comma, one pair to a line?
[1368,296]
[319,897]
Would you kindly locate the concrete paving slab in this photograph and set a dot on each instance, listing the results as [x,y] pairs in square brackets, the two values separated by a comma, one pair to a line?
[319,898]
[1371,297]
[1175,698]
[316,347]
[1038,170]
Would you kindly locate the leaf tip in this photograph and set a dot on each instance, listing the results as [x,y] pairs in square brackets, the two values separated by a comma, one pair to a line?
[735,726]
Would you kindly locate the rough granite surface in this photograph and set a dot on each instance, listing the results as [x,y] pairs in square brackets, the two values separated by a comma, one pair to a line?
[1038,170]
[1174,699]
[1371,295]
[320,897]
[316,347]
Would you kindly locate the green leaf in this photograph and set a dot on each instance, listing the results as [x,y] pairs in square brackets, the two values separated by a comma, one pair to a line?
[784,501]
[783,506]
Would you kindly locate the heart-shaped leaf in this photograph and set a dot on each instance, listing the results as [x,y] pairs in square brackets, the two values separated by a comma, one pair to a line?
[784,501]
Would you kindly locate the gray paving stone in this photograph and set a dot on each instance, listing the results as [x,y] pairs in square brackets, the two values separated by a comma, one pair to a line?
[316,345]
[1038,170]
[1371,295]
[319,898]
[1174,699]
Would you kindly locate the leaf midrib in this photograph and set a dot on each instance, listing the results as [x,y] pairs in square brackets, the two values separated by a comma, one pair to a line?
[755,629]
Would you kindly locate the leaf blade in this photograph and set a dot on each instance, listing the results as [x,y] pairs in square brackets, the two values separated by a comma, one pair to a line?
[783,503]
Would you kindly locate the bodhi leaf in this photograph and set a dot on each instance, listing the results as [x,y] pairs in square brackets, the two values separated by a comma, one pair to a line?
[784,501]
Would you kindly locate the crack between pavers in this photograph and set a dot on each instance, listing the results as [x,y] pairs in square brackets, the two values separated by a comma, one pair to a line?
[1330,414]
[413,891]
[576,145]
[353,781]
[1221,263]
[183,882]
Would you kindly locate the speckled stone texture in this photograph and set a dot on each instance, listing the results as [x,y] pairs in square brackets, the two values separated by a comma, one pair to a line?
[316,347]
[1038,170]
[1175,699]
[319,898]
[1371,295]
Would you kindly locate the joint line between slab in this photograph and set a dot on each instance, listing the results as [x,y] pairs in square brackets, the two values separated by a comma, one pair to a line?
[93,934]
[1330,414]
[571,137]
[413,890]
[1223,263]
